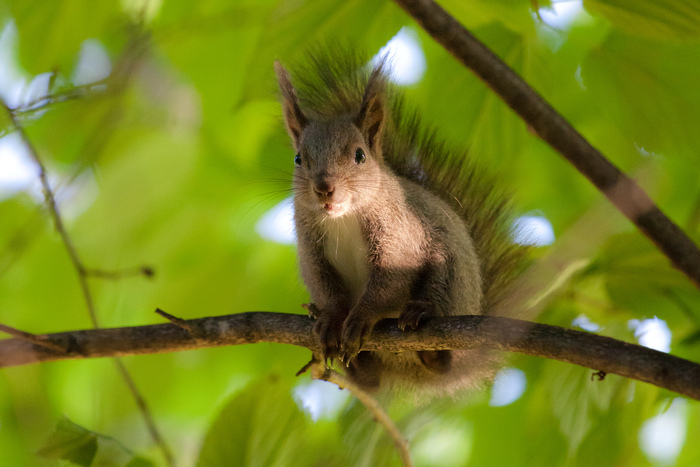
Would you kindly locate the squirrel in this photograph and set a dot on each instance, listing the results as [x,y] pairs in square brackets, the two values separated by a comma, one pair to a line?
[391,223]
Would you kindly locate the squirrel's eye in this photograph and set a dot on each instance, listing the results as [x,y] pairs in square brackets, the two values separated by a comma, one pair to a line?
[297,160]
[359,156]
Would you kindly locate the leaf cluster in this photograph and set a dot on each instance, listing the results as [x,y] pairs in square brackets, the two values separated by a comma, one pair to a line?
[172,161]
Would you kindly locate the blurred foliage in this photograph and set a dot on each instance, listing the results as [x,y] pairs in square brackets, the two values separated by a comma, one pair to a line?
[172,162]
[75,444]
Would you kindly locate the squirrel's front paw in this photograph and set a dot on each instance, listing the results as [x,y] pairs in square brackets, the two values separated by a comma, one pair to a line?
[415,312]
[355,331]
[327,330]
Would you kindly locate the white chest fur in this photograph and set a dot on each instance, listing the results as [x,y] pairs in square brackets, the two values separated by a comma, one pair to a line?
[346,250]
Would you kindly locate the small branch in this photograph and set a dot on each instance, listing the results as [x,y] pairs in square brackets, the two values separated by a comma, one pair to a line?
[314,360]
[83,274]
[184,324]
[621,190]
[593,351]
[32,338]
[113,84]
[146,271]
[318,371]
[72,93]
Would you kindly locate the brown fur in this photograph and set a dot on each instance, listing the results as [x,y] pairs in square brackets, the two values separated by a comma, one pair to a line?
[393,234]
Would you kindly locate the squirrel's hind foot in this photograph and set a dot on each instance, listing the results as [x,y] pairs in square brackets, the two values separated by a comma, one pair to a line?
[438,361]
[365,371]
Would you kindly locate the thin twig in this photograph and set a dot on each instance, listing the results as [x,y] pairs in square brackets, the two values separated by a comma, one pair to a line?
[83,280]
[57,220]
[182,323]
[549,125]
[582,348]
[146,412]
[319,371]
[175,320]
[308,365]
[146,271]
[32,338]
[75,92]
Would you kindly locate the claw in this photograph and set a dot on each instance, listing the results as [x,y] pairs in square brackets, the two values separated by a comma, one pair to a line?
[311,309]
[348,355]
[414,315]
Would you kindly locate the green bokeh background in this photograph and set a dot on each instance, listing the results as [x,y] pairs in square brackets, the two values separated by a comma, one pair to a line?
[174,169]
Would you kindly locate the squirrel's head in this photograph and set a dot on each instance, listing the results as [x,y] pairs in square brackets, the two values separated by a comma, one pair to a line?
[338,161]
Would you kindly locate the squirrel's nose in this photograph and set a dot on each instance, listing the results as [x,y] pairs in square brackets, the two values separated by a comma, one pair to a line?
[324,188]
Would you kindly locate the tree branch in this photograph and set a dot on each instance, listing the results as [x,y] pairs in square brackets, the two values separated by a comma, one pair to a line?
[620,189]
[453,332]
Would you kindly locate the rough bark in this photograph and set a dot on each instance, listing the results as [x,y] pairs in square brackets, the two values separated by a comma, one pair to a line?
[455,332]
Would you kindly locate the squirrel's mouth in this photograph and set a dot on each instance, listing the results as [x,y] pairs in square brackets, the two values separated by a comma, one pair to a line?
[334,209]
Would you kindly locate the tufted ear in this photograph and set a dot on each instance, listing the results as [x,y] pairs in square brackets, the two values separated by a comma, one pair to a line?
[294,118]
[372,114]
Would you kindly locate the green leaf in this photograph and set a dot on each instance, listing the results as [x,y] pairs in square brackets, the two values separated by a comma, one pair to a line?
[140,462]
[175,171]
[51,33]
[514,14]
[649,97]
[581,403]
[72,443]
[659,19]
[261,426]
[638,278]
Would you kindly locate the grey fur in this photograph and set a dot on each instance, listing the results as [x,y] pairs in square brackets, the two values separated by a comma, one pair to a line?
[380,237]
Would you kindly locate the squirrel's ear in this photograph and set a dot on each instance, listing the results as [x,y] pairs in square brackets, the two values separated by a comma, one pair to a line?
[295,120]
[371,118]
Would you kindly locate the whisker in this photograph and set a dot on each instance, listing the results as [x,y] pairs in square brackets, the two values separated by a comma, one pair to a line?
[268,197]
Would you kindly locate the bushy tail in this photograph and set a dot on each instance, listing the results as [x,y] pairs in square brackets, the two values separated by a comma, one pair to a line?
[414,151]
[331,82]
